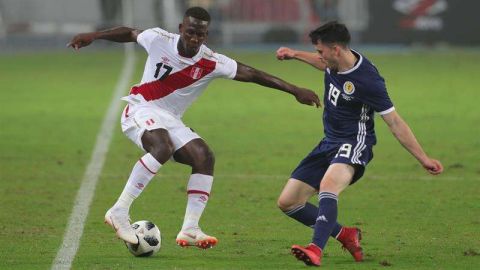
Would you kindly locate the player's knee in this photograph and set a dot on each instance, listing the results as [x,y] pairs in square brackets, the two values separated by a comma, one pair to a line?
[324,186]
[328,185]
[209,158]
[204,159]
[158,143]
[286,204]
[162,151]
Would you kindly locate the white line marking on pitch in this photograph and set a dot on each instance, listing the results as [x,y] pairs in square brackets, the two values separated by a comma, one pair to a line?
[74,231]
[73,234]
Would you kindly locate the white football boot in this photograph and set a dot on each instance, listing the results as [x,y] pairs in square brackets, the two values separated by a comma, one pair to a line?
[119,220]
[195,237]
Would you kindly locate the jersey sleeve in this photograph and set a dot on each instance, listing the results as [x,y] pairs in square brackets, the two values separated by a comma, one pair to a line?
[147,37]
[226,67]
[376,96]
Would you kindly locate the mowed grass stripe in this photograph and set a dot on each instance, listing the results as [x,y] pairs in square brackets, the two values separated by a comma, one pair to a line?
[52,107]
[74,231]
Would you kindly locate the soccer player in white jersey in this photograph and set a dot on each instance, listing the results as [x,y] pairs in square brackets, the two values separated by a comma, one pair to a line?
[178,69]
[354,90]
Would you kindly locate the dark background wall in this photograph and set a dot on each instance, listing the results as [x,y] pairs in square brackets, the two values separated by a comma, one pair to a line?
[423,21]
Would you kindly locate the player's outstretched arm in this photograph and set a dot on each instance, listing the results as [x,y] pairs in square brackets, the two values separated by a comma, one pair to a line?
[311,58]
[404,135]
[249,74]
[118,34]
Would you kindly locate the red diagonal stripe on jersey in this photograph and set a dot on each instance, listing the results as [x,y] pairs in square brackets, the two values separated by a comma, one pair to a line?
[181,79]
[422,7]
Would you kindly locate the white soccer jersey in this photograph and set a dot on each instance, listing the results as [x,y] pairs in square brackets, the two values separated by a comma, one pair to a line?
[173,82]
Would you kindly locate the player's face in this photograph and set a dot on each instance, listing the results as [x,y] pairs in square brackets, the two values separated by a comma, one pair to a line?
[329,54]
[193,33]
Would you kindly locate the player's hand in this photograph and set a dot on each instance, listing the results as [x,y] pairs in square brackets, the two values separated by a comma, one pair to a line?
[307,97]
[433,166]
[284,53]
[81,40]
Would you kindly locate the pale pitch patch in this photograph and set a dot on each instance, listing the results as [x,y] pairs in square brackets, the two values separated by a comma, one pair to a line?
[257,177]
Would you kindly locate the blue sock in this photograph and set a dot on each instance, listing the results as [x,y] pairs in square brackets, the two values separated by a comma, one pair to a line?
[326,220]
[336,230]
[307,214]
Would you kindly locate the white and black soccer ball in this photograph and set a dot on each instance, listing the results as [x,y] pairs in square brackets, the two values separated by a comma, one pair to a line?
[149,239]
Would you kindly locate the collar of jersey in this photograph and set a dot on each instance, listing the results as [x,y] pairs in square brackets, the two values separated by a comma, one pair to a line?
[359,62]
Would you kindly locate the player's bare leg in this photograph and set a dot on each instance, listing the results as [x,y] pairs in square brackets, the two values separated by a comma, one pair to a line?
[335,180]
[295,193]
[197,154]
[293,202]
[160,149]
[338,177]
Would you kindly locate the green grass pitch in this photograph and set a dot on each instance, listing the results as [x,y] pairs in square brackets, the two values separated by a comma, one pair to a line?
[52,105]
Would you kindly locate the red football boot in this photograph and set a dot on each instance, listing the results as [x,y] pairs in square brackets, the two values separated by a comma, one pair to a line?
[311,255]
[350,238]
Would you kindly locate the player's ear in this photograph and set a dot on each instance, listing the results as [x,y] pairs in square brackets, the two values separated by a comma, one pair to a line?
[336,49]
[180,26]
[205,41]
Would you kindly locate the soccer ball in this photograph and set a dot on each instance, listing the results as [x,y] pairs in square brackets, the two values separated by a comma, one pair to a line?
[149,239]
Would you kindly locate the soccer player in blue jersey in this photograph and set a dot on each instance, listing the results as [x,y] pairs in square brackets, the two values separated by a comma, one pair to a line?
[354,90]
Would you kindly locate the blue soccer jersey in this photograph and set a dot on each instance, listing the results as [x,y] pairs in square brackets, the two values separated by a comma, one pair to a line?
[351,98]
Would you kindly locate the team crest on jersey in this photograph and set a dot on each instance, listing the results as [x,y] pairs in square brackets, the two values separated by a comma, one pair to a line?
[196,73]
[348,87]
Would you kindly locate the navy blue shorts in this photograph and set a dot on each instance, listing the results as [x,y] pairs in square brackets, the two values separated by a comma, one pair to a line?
[313,167]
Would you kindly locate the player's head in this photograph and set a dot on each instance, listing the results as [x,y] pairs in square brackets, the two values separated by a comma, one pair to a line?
[194,29]
[331,40]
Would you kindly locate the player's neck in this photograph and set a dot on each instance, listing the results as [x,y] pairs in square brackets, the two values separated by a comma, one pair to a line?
[347,62]
[183,52]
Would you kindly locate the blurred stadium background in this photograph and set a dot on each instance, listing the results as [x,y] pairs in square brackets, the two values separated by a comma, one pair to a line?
[48,23]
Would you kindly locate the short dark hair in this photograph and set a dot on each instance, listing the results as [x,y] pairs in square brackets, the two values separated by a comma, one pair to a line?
[331,32]
[198,13]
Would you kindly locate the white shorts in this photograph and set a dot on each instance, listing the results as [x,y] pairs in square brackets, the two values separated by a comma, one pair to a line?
[140,117]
